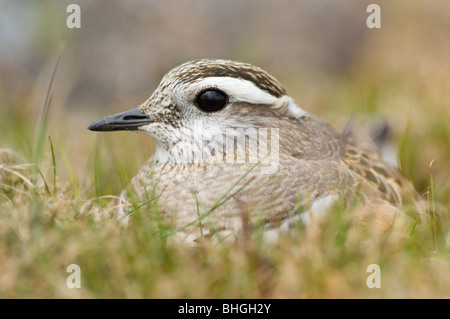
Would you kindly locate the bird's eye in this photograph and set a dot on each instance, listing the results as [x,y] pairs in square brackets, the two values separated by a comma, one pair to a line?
[211,100]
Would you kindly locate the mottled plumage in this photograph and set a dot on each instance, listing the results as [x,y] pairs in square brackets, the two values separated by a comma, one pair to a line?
[316,166]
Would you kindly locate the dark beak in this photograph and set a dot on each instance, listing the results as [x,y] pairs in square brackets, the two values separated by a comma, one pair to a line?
[125,121]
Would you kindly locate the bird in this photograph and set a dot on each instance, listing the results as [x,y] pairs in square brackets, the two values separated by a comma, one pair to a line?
[235,154]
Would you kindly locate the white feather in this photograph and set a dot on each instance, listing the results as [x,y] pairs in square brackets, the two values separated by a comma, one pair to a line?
[239,90]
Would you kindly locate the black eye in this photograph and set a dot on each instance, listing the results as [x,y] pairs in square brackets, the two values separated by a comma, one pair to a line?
[211,100]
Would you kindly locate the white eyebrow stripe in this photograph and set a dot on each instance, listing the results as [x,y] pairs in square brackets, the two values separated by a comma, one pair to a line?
[238,90]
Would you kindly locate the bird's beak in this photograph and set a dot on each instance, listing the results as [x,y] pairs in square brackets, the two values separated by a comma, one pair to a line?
[126,121]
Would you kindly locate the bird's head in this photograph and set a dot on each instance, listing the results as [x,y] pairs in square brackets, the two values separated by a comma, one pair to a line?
[202,99]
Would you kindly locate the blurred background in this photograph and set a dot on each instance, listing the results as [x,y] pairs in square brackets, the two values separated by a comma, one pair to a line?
[331,63]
